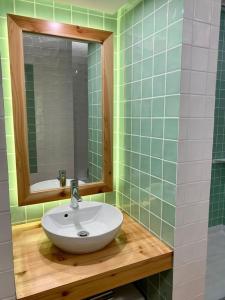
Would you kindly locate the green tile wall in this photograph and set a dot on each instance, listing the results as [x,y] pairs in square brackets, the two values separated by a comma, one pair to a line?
[150,67]
[147,67]
[217,191]
[31,119]
[50,10]
[95,159]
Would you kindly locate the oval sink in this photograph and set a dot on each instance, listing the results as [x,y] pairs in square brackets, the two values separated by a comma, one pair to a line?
[86,229]
[49,185]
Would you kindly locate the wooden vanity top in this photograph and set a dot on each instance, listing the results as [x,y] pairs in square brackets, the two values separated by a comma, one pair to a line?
[42,271]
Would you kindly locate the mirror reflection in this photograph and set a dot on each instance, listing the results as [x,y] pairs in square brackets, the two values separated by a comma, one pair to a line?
[63,84]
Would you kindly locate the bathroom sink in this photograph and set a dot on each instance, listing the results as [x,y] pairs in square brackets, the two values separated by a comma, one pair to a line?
[86,229]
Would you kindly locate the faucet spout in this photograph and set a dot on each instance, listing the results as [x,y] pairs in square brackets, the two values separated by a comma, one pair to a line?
[75,196]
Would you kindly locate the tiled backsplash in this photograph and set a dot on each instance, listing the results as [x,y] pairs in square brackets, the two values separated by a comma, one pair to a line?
[31,120]
[150,54]
[95,120]
[217,191]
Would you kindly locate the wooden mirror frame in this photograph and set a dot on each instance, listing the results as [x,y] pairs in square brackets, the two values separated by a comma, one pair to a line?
[16,26]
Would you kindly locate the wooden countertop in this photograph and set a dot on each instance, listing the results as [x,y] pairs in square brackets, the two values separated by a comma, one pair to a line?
[44,272]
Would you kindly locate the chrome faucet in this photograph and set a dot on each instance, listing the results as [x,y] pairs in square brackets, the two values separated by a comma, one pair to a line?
[62,178]
[75,196]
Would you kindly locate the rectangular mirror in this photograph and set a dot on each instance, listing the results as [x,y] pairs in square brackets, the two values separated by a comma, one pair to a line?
[63,82]
[62,86]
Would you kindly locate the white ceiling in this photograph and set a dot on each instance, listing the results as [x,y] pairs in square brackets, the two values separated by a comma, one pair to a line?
[107,6]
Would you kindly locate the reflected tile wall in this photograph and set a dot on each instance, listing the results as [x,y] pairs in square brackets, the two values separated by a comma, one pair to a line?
[95,146]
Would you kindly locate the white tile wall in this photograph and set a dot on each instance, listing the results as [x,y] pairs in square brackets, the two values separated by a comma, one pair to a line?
[7,286]
[198,79]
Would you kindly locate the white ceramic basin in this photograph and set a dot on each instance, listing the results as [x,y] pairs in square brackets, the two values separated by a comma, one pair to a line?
[50,184]
[100,221]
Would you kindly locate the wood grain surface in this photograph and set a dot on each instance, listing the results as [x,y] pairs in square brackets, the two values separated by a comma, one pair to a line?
[42,271]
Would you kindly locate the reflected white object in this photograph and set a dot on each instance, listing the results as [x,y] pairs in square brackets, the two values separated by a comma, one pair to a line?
[100,221]
[50,184]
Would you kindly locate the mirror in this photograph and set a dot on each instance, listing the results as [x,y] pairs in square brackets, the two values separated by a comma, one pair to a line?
[63,83]
[62,86]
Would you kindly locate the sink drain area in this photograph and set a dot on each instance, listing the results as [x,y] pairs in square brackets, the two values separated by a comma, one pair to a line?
[83,233]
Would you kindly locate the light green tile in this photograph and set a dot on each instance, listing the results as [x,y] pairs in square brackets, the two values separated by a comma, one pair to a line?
[160,41]
[167,234]
[137,71]
[147,86]
[79,19]
[45,2]
[24,8]
[6,6]
[156,167]
[158,107]
[110,24]
[145,145]
[34,211]
[137,52]
[148,25]
[148,47]
[160,63]
[146,107]
[145,181]
[45,12]
[18,215]
[145,163]
[156,147]
[175,12]
[148,7]
[174,59]
[138,12]
[3,28]
[169,192]
[134,210]
[170,150]
[146,127]
[96,22]
[49,205]
[155,224]
[169,172]
[128,56]
[168,213]
[144,217]
[157,128]
[161,18]
[137,32]
[136,90]
[156,190]
[95,12]
[62,5]
[159,85]
[159,3]
[175,34]
[110,198]
[155,206]
[171,129]
[172,106]
[62,15]
[173,83]
[147,68]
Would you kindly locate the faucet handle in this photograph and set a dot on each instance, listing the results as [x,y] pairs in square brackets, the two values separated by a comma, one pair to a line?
[62,173]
